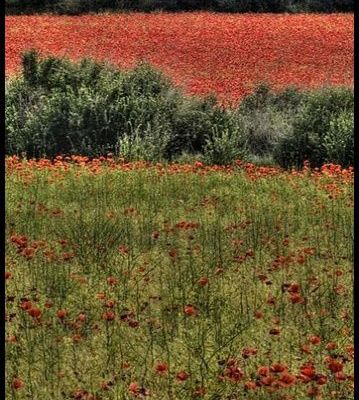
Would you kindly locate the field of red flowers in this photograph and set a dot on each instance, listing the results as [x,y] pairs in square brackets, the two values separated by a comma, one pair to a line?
[203,52]
[122,285]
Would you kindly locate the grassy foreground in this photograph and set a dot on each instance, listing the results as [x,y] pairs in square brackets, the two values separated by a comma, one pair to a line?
[171,282]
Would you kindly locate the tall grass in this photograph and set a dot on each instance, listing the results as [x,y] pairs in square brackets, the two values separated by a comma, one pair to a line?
[135,280]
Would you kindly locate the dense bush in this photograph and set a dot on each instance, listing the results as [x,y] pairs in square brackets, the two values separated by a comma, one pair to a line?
[322,131]
[90,108]
[81,6]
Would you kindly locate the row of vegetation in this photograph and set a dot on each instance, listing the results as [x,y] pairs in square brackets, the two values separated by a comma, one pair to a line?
[82,6]
[56,106]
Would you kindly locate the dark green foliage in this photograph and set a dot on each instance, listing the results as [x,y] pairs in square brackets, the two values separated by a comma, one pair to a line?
[83,6]
[322,131]
[61,107]
[90,108]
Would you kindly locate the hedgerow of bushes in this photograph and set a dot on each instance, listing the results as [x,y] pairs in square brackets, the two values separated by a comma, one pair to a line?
[83,6]
[57,107]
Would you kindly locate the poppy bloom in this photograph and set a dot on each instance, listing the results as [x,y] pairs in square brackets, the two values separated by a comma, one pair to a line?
[305,349]
[267,380]
[82,317]
[28,253]
[136,390]
[133,388]
[296,298]
[161,368]
[277,367]
[17,384]
[34,312]
[308,370]
[182,376]
[108,316]
[294,288]
[190,310]
[330,346]
[314,339]
[286,379]
[321,379]
[133,323]
[250,385]
[110,303]
[263,371]
[234,373]
[26,305]
[203,281]
[76,338]
[335,366]
[247,352]
[61,314]
[11,339]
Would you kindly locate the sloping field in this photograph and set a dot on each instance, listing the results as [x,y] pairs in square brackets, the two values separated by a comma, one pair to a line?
[203,52]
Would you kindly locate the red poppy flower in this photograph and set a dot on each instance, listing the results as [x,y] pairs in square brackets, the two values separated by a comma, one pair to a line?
[203,281]
[247,352]
[331,346]
[182,376]
[161,368]
[110,303]
[34,312]
[190,310]
[308,370]
[321,379]
[287,379]
[335,366]
[26,305]
[263,371]
[250,385]
[61,314]
[82,317]
[17,384]
[108,316]
[277,367]
[314,339]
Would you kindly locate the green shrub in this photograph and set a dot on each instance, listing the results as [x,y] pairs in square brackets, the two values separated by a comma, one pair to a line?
[89,108]
[339,141]
[144,143]
[317,119]
[224,146]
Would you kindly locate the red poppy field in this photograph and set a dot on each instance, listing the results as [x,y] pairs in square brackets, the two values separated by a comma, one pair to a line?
[120,284]
[203,52]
